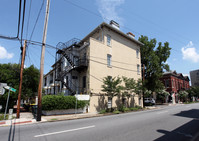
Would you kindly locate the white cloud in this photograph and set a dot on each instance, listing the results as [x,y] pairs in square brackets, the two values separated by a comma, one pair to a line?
[189,53]
[109,10]
[4,54]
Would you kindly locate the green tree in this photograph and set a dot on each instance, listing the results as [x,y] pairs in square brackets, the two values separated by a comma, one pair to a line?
[10,74]
[162,95]
[111,86]
[193,92]
[154,58]
[30,82]
[183,96]
[128,88]
[139,89]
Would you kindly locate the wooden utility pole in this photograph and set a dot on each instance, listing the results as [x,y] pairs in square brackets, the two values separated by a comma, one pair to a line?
[42,62]
[21,78]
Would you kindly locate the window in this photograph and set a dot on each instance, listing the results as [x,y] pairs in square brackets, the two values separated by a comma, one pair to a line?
[137,53]
[166,83]
[109,60]
[172,84]
[108,40]
[45,81]
[84,82]
[138,69]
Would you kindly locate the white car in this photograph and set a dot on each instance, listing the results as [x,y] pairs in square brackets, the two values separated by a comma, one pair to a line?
[149,101]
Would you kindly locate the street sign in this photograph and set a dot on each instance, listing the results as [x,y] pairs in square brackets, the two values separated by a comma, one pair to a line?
[9,88]
[12,89]
[2,91]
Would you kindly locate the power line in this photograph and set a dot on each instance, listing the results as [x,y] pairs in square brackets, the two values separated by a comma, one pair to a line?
[39,43]
[28,18]
[19,18]
[96,14]
[50,53]
[113,66]
[36,20]
[114,61]
[24,11]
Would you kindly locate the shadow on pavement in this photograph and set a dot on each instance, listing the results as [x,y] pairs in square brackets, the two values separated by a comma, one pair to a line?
[11,135]
[186,132]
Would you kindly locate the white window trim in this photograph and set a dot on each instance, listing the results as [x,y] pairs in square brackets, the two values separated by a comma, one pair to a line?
[137,53]
[109,62]
[108,44]
[138,69]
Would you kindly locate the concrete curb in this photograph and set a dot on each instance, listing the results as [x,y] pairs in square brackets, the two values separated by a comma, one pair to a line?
[55,118]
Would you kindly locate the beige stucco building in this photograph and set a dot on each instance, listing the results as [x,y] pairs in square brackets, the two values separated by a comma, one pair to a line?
[82,65]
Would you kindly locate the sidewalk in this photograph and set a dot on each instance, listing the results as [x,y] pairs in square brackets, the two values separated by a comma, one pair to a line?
[27,118]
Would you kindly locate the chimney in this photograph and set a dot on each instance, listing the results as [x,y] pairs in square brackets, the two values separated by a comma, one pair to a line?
[115,24]
[131,35]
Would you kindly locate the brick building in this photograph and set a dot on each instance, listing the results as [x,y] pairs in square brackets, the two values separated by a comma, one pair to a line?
[174,82]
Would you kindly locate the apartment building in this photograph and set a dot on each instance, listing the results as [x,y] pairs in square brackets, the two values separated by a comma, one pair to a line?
[194,78]
[81,65]
[175,82]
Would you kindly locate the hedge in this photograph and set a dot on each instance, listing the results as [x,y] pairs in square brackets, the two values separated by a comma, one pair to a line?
[60,102]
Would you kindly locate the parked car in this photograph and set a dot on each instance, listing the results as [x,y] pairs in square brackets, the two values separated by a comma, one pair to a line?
[149,101]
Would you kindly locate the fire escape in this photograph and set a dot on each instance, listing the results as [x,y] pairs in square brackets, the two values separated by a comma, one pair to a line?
[71,51]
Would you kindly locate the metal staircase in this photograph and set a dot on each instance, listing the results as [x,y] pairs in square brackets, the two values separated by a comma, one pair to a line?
[66,50]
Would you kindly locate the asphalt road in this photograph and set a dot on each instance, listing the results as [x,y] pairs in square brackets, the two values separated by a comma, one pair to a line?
[171,123]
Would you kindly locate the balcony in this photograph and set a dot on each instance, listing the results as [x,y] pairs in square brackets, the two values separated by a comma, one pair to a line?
[81,64]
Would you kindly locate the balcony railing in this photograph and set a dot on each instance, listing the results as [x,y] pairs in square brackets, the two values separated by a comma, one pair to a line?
[82,63]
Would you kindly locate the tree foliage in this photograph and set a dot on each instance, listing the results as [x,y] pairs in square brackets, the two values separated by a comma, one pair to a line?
[193,92]
[161,95]
[129,86]
[183,95]
[111,86]
[10,74]
[154,58]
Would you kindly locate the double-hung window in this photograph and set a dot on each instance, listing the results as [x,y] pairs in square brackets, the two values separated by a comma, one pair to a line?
[137,53]
[108,40]
[109,60]
[138,69]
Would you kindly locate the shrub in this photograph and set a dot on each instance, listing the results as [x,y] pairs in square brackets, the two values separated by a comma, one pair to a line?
[123,109]
[102,112]
[138,107]
[133,109]
[2,116]
[116,112]
[60,102]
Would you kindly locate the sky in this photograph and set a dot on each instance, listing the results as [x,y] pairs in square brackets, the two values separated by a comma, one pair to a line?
[173,21]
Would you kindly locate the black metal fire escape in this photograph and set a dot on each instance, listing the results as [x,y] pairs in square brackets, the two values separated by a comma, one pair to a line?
[65,50]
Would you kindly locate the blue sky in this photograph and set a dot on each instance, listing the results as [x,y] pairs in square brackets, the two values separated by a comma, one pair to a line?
[174,21]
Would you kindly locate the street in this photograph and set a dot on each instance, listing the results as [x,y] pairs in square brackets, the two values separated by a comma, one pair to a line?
[170,123]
